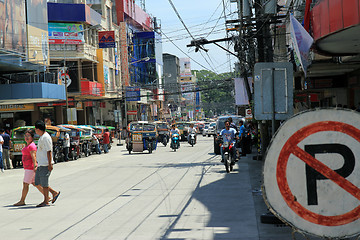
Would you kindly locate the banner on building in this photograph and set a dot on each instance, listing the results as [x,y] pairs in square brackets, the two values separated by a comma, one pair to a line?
[302,42]
[66,33]
[13,25]
[241,97]
[71,116]
[37,31]
[106,39]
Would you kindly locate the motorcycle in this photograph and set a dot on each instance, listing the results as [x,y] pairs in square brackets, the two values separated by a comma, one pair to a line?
[192,140]
[229,158]
[163,138]
[58,151]
[175,144]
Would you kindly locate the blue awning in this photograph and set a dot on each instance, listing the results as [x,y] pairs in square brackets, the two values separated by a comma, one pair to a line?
[22,93]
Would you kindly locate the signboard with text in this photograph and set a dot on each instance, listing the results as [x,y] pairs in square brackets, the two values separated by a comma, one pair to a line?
[106,39]
[132,94]
[66,33]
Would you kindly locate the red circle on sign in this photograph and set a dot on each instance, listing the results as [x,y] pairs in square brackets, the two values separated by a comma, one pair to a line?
[285,190]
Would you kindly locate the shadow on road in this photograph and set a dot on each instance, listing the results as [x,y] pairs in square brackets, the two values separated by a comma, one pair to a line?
[229,201]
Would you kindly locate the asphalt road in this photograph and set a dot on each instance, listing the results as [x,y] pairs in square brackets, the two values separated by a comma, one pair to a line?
[164,195]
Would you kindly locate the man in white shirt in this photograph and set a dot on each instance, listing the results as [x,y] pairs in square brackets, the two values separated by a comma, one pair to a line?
[190,131]
[44,159]
[66,146]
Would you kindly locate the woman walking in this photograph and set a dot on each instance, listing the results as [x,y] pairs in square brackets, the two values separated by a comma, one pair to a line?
[30,165]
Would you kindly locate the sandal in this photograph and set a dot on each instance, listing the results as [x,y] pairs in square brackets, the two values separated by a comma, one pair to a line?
[43,205]
[55,197]
[19,204]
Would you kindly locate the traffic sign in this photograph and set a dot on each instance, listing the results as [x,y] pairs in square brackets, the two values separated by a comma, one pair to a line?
[312,173]
[248,114]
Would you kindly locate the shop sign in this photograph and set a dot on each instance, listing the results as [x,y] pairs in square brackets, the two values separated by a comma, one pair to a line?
[16,107]
[106,39]
[7,115]
[66,33]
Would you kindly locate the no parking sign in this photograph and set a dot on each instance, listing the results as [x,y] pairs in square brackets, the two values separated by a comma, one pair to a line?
[312,173]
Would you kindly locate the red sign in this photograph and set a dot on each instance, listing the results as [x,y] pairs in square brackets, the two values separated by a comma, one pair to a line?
[106,39]
[66,41]
[91,88]
[131,112]
[291,147]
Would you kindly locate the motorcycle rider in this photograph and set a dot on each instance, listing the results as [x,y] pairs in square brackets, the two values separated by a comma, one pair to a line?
[174,130]
[190,131]
[228,135]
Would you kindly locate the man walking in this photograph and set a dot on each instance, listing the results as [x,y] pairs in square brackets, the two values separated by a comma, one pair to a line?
[66,146]
[44,159]
[106,140]
[6,149]
[1,158]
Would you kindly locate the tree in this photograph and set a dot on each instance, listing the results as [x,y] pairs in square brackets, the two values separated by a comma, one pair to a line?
[217,92]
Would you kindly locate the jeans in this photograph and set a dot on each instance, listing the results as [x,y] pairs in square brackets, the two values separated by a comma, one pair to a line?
[97,148]
[6,158]
[233,153]
[1,161]
[106,148]
[66,153]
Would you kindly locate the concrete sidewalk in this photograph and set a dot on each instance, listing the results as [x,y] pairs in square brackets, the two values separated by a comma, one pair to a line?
[268,231]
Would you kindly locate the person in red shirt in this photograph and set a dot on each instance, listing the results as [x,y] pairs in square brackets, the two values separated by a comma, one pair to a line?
[106,140]
[30,165]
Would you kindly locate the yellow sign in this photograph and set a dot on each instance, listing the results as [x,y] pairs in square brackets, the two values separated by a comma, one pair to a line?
[16,107]
[137,137]
[18,147]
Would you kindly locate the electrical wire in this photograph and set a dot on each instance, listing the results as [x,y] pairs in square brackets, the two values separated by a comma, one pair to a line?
[184,52]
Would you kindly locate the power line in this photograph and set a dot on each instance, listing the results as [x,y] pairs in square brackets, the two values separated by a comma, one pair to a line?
[184,52]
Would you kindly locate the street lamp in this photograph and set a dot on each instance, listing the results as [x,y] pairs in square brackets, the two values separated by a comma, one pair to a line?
[145,59]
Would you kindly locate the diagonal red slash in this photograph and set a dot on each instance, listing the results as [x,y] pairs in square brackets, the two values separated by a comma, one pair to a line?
[291,147]
[327,172]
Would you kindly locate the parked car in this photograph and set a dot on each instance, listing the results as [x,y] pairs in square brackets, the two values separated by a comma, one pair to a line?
[211,129]
[204,131]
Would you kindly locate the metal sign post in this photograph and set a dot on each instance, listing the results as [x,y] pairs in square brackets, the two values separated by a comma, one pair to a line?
[312,173]
[273,91]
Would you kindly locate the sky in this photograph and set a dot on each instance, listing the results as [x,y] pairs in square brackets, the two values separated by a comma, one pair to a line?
[203,18]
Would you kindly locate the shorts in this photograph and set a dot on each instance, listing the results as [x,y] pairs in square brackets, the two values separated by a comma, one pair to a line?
[42,176]
[29,176]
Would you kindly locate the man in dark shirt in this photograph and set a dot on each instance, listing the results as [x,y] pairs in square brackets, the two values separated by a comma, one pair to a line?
[6,149]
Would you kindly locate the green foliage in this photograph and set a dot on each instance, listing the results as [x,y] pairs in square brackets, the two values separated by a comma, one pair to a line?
[217,92]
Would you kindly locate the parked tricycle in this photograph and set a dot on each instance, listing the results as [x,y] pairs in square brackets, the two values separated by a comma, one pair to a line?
[75,147]
[142,136]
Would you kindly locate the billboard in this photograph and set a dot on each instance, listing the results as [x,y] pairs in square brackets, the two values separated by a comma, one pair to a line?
[185,67]
[106,39]
[37,31]
[187,91]
[13,25]
[68,33]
